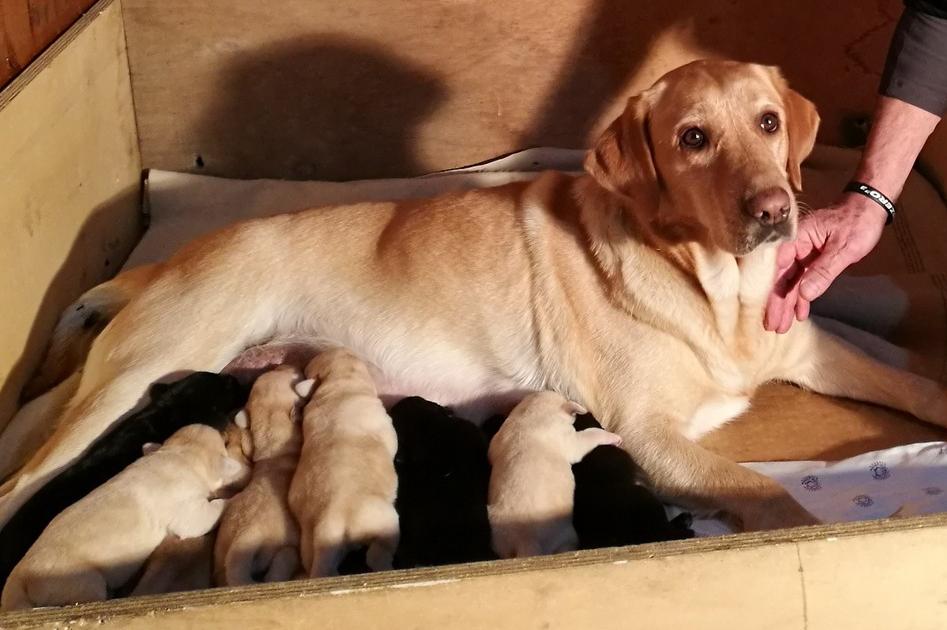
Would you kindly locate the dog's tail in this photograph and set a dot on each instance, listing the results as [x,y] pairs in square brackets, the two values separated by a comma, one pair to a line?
[81,323]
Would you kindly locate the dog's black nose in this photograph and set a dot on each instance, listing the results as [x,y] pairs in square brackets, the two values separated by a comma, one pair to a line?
[769,207]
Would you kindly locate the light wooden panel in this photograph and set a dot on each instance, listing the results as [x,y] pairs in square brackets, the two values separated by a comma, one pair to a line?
[29,26]
[69,178]
[880,574]
[334,90]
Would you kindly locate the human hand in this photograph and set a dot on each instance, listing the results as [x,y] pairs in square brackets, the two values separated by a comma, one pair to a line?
[827,242]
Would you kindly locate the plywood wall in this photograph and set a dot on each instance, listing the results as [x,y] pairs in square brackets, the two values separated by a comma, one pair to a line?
[69,180]
[27,27]
[335,90]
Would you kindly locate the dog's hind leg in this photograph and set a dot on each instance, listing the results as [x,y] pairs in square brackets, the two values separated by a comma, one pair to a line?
[81,322]
[33,424]
[151,339]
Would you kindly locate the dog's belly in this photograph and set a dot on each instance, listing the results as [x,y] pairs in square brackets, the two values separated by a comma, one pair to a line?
[451,381]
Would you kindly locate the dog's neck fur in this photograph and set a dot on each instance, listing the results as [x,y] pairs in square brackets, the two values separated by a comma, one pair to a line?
[724,320]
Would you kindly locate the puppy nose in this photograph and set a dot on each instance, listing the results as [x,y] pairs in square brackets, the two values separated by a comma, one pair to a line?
[769,207]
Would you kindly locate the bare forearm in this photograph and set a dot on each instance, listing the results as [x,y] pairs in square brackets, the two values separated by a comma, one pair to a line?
[897,136]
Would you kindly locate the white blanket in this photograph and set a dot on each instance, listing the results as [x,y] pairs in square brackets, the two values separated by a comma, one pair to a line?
[903,481]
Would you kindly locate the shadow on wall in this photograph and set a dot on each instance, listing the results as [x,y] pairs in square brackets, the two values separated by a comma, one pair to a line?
[832,54]
[315,110]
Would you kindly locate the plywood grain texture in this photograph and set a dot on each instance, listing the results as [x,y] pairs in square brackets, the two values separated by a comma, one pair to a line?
[879,574]
[69,178]
[316,89]
[27,27]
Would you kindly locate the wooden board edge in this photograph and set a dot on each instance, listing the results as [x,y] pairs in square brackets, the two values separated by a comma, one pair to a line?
[38,64]
[157,606]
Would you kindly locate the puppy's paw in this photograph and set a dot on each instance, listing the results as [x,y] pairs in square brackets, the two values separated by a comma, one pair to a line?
[611,439]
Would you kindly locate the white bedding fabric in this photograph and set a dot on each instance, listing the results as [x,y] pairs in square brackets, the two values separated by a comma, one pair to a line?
[912,479]
[903,481]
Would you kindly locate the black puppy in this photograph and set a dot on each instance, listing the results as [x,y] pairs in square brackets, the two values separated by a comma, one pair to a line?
[199,398]
[610,508]
[443,474]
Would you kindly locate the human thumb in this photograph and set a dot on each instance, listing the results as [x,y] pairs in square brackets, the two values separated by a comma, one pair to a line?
[821,273]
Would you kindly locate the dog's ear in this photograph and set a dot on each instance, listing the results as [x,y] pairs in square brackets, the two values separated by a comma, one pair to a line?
[304,388]
[232,469]
[242,419]
[157,389]
[802,125]
[622,160]
[574,408]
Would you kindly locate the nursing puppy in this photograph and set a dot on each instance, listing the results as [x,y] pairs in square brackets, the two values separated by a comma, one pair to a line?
[258,535]
[611,507]
[344,489]
[201,397]
[99,543]
[443,475]
[531,482]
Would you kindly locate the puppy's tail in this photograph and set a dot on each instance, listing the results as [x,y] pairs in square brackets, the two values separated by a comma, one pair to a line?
[81,322]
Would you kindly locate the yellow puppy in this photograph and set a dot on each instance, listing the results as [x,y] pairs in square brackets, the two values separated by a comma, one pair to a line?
[531,483]
[344,489]
[258,534]
[100,542]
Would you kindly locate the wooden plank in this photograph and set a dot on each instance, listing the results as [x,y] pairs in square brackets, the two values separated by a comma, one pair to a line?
[69,180]
[872,575]
[338,90]
[27,27]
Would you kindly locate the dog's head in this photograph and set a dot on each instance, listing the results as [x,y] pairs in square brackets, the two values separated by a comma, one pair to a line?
[711,153]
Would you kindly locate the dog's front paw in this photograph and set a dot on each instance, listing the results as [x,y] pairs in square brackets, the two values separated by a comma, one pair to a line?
[778,512]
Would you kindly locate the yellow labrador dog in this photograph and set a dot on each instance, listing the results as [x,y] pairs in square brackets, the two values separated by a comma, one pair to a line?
[636,289]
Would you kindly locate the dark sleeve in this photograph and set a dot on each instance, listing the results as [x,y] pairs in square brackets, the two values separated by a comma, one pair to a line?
[916,68]
[937,8]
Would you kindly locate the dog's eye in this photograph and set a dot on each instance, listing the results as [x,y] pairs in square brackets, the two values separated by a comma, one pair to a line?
[769,122]
[693,138]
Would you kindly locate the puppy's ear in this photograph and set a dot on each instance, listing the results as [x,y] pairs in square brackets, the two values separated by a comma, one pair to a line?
[149,447]
[157,389]
[242,419]
[232,469]
[802,125]
[574,408]
[304,388]
[622,160]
